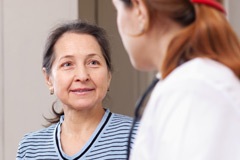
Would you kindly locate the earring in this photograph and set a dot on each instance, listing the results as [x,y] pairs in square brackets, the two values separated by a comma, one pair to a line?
[51,89]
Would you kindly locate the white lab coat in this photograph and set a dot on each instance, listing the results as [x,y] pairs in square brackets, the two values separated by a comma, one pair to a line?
[194,114]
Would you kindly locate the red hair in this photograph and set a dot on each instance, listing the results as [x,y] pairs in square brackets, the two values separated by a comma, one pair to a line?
[209,35]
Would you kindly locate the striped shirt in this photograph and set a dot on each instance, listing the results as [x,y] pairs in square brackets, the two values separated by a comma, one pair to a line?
[108,142]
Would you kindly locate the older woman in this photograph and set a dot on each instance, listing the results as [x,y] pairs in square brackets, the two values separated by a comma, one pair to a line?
[77,69]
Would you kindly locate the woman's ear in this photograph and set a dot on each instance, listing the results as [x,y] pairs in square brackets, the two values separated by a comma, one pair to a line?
[109,79]
[48,81]
[47,78]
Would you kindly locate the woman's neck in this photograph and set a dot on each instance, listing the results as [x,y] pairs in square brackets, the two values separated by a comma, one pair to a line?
[77,128]
[76,122]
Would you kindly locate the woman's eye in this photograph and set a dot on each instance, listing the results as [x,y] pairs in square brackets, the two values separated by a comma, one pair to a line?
[67,64]
[94,62]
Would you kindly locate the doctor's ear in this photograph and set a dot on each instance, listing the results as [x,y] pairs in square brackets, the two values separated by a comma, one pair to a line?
[142,15]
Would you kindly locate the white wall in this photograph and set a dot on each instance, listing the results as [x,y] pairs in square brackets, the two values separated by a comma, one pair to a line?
[24,96]
[234,14]
[1,83]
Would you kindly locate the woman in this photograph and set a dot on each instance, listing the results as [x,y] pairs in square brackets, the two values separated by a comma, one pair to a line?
[194,110]
[77,69]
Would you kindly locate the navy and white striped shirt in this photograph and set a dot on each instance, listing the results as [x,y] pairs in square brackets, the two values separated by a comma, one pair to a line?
[108,142]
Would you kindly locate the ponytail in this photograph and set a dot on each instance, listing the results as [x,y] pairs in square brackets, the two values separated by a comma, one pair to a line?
[209,35]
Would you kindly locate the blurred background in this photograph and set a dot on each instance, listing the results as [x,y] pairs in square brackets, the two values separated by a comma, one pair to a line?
[24,27]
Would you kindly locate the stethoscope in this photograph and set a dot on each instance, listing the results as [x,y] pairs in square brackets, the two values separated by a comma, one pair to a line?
[138,107]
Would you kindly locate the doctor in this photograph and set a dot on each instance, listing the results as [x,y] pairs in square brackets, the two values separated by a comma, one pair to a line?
[194,110]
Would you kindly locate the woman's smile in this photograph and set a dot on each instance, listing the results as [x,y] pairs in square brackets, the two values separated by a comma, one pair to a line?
[82,91]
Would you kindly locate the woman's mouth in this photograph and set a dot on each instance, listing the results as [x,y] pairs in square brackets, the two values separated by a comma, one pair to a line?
[82,90]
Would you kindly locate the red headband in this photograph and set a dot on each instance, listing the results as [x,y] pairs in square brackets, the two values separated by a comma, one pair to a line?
[212,3]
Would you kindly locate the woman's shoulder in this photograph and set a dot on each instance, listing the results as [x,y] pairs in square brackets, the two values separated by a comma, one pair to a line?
[37,143]
[39,134]
[121,120]
[122,117]
[120,126]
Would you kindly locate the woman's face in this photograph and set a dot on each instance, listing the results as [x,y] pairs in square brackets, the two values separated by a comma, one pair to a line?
[80,76]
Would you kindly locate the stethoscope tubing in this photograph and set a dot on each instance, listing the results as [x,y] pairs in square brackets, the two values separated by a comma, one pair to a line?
[136,118]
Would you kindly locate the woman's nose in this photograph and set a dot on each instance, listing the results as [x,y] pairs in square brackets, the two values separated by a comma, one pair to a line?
[82,74]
